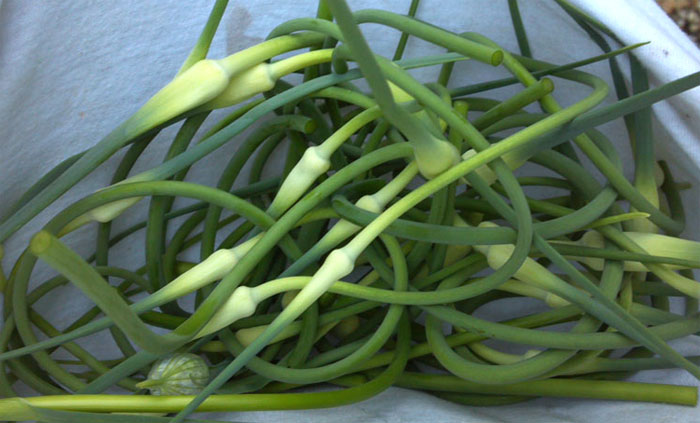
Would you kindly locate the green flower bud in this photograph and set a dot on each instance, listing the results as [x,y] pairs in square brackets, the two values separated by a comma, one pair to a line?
[177,374]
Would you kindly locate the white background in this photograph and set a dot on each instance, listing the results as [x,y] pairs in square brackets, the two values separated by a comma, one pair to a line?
[72,71]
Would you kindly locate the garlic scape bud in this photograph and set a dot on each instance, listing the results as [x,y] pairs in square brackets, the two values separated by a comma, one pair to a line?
[374,203]
[102,214]
[207,79]
[316,161]
[210,84]
[530,272]
[653,244]
[263,77]
[512,159]
[242,303]
[202,82]
[433,155]
[401,96]
[213,268]
[244,300]
[177,374]
[243,86]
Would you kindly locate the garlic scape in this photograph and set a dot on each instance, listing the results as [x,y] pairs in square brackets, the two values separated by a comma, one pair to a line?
[653,244]
[209,84]
[177,374]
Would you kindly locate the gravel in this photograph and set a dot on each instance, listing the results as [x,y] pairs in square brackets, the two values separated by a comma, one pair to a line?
[686,13]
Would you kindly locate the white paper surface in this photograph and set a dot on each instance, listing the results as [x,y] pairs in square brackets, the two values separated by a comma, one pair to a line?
[72,71]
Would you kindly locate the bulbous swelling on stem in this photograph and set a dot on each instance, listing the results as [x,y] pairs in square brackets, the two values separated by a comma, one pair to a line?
[313,164]
[344,229]
[202,82]
[435,157]
[512,159]
[401,96]
[240,304]
[337,265]
[370,203]
[653,244]
[497,255]
[103,214]
[529,272]
[243,86]
[110,211]
[214,267]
